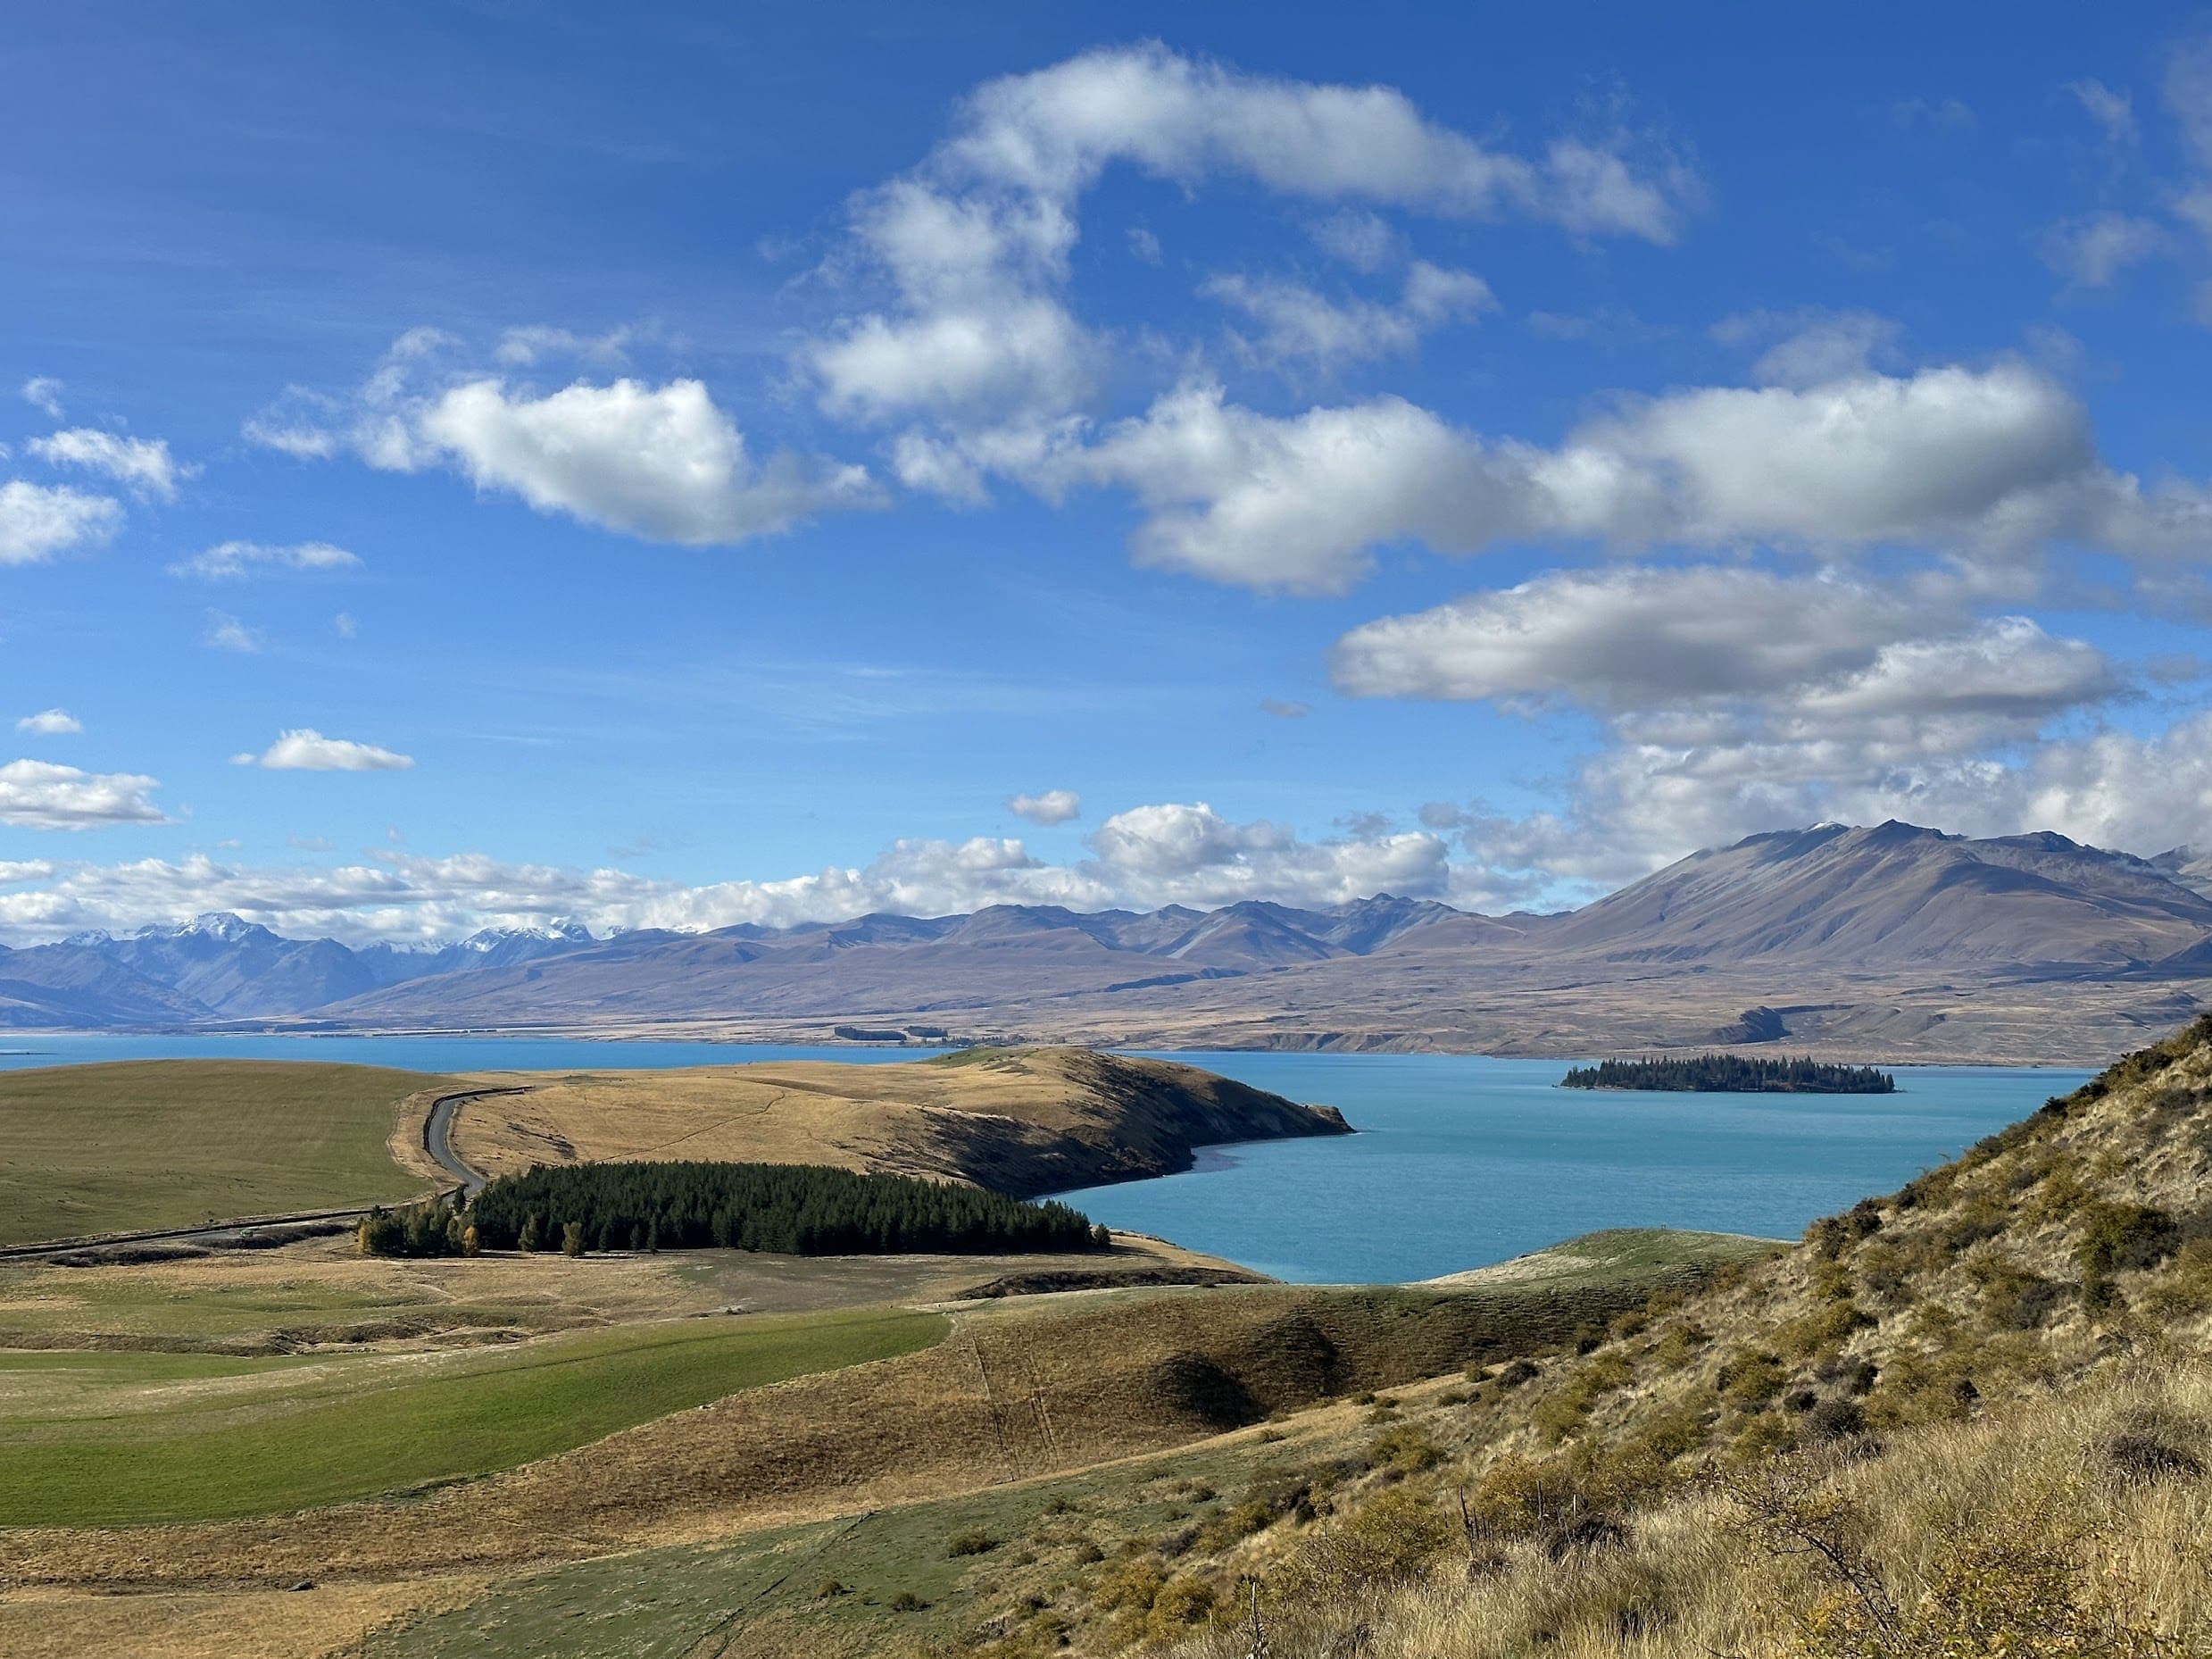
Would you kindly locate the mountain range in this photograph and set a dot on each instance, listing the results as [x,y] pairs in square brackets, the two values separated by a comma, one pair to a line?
[1892,942]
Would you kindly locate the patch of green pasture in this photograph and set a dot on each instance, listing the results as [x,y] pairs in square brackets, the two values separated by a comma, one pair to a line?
[763,1590]
[111,1369]
[1621,1253]
[356,1426]
[139,1146]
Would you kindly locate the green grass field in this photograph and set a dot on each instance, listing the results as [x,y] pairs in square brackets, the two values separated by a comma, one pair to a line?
[98,1438]
[142,1144]
[761,1592]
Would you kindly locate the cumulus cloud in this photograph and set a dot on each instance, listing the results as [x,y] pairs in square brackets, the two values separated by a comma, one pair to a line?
[1299,324]
[230,560]
[142,464]
[1626,637]
[38,794]
[37,521]
[50,723]
[305,749]
[1730,700]
[43,393]
[662,462]
[1054,806]
[226,632]
[1191,855]
[974,244]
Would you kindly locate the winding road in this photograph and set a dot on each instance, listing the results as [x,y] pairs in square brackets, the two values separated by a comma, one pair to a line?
[437,1136]
[437,1130]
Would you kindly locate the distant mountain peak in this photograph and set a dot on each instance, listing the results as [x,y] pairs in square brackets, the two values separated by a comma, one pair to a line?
[224,925]
[562,931]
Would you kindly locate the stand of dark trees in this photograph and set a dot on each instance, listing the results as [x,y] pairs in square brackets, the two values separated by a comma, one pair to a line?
[1733,1074]
[795,1209]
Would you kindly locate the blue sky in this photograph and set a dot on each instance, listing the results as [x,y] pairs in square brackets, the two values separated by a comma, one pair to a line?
[700,464]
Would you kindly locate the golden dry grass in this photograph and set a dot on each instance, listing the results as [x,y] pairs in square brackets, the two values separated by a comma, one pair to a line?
[1020,1120]
[2012,1535]
[211,1624]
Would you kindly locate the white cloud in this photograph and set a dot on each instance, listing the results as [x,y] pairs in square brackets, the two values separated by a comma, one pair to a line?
[1811,345]
[1299,324]
[1054,806]
[226,632]
[50,723]
[1366,241]
[975,243]
[1025,354]
[1191,855]
[1994,461]
[345,625]
[660,462]
[1053,130]
[1144,245]
[37,521]
[525,346]
[229,559]
[1294,504]
[143,464]
[1147,856]
[38,794]
[43,393]
[2091,251]
[2114,112]
[1284,709]
[305,749]
[1624,638]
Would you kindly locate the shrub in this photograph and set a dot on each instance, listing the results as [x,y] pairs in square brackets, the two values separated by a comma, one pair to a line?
[906,1601]
[1386,1542]
[1405,1449]
[829,1590]
[2119,1236]
[1836,1419]
[1182,1602]
[1750,1378]
[974,1541]
[1518,1372]
[572,1239]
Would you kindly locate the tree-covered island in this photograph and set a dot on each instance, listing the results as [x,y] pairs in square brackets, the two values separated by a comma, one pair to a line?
[1733,1074]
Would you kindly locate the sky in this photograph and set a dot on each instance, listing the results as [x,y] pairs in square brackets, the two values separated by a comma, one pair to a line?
[481,464]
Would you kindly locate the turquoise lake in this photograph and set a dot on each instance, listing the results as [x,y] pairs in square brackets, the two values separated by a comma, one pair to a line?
[1460,1161]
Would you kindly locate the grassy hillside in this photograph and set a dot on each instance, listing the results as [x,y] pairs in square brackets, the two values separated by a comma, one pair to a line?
[1022,1122]
[168,1143]
[1972,1417]
[100,1439]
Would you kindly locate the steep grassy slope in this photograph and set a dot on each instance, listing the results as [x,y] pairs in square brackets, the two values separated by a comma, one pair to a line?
[171,1143]
[1023,1121]
[1974,1417]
